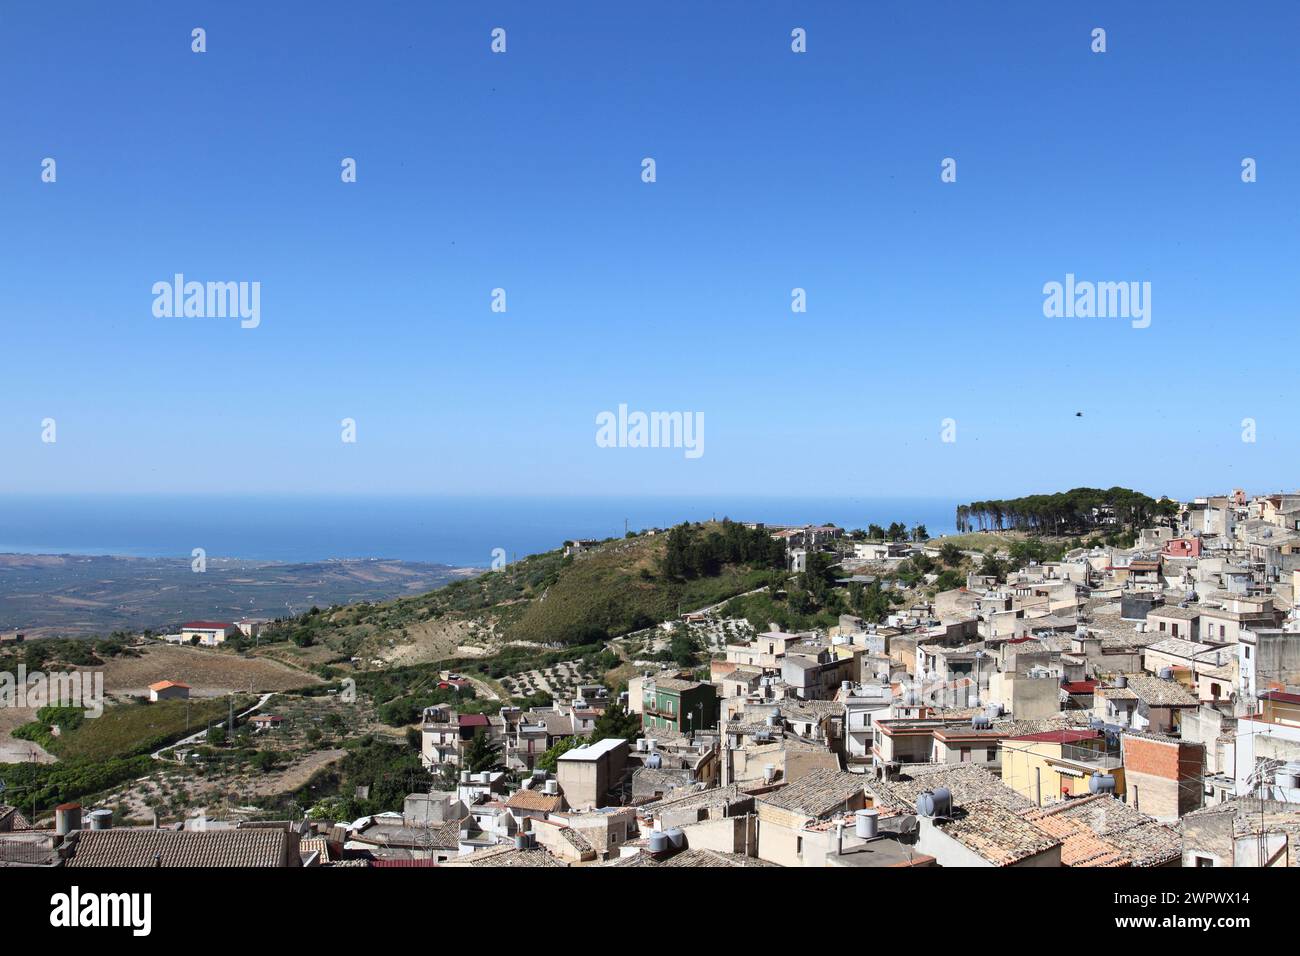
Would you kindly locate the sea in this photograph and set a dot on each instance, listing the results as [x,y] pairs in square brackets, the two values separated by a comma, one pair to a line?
[457,531]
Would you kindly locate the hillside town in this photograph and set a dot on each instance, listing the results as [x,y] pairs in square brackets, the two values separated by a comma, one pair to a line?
[1126,704]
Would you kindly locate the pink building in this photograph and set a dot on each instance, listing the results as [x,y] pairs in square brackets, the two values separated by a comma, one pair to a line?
[1183,548]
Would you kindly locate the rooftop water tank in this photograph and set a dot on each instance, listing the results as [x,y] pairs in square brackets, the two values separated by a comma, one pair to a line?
[676,837]
[101,819]
[67,817]
[866,824]
[1121,681]
[552,787]
[658,842]
[935,803]
[1101,782]
[654,761]
[981,722]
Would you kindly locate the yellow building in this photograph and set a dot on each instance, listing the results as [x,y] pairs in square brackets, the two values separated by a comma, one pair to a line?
[1051,766]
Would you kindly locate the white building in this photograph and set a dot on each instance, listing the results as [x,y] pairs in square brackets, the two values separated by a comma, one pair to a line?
[209,633]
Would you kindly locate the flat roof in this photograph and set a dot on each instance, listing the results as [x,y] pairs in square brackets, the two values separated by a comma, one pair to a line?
[594,751]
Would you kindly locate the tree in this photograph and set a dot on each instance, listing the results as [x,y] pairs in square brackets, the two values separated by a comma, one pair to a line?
[265,761]
[481,753]
[616,722]
[992,567]
[950,554]
[549,760]
[919,533]
[217,736]
[949,580]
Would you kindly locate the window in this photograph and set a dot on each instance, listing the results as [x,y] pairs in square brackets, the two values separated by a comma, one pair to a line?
[991,753]
[1247,652]
[1204,861]
[965,755]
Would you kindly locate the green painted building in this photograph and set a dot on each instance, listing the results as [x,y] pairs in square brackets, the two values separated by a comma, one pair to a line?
[678,706]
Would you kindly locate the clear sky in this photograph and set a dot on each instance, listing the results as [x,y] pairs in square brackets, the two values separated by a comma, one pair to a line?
[522,171]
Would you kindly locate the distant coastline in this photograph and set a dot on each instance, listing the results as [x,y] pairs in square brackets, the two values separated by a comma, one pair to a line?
[460,532]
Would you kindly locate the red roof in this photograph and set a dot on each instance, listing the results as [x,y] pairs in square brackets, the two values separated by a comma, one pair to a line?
[206,625]
[1283,696]
[1061,736]
[1021,640]
[164,684]
[1079,686]
[473,720]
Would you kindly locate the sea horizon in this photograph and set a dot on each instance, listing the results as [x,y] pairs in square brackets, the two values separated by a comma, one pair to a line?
[455,530]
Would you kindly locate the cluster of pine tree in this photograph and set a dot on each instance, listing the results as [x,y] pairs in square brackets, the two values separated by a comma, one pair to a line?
[1080,509]
[694,552]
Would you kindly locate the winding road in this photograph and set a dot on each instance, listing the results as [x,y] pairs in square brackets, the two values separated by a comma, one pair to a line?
[196,737]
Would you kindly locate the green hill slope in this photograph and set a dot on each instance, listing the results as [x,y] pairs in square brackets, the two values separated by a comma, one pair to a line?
[616,587]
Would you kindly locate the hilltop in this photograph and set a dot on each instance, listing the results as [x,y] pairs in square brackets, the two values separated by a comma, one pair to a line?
[550,600]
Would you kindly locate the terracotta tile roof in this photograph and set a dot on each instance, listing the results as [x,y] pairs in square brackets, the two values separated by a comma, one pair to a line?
[967,782]
[1160,693]
[535,800]
[817,793]
[11,819]
[254,847]
[506,855]
[999,835]
[691,857]
[1100,830]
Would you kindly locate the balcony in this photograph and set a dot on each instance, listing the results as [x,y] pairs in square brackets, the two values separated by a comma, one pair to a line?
[1095,759]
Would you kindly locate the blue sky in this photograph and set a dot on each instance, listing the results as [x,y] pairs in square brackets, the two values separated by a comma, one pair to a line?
[522,171]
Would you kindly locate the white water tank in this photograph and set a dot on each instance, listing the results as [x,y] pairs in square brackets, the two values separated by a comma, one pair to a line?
[935,803]
[552,787]
[866,824]
[1101,782]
